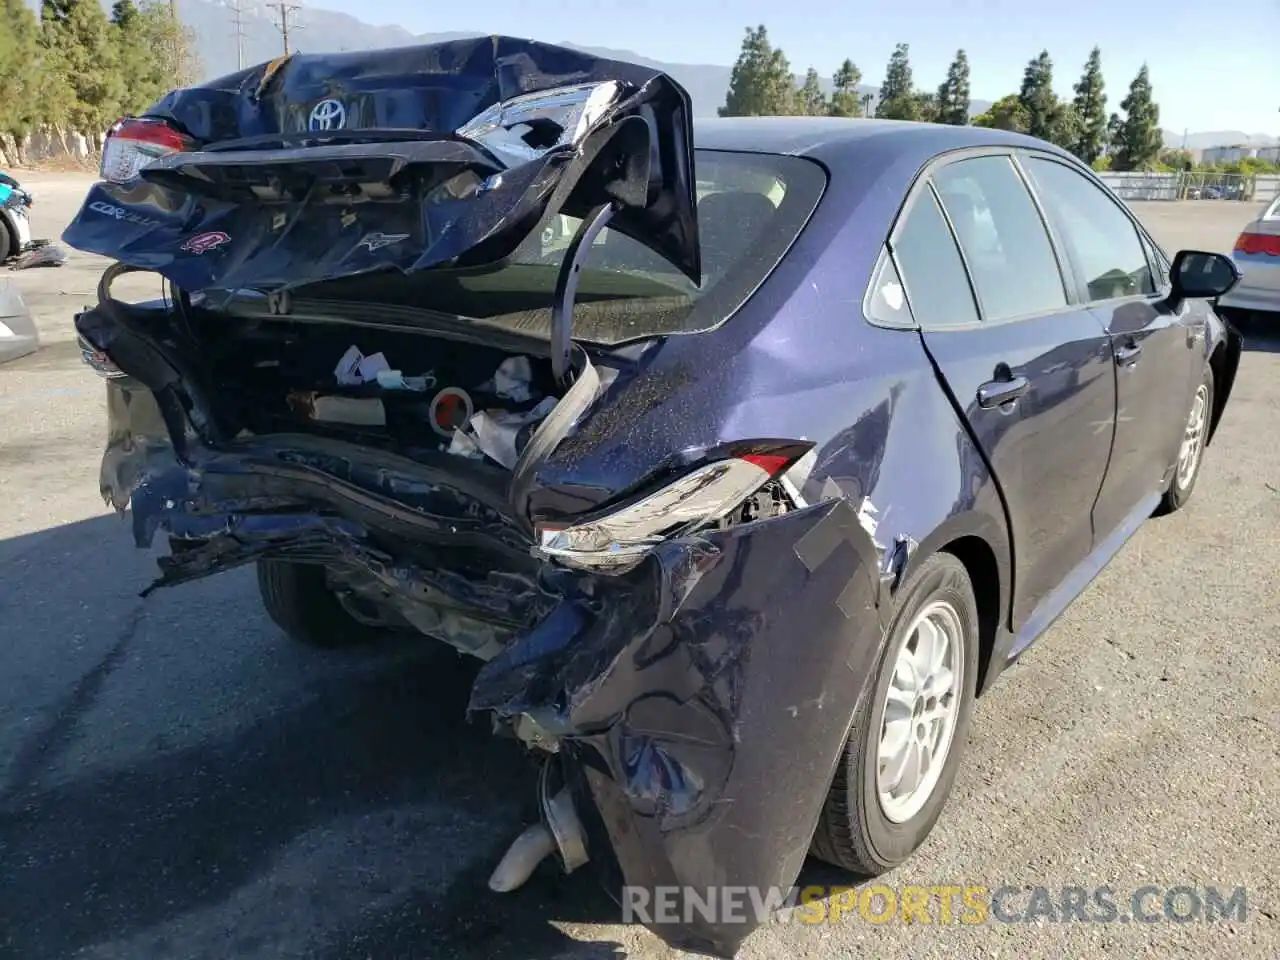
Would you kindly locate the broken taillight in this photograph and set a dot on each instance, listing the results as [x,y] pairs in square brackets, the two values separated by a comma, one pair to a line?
[97,361]
[134,142]
[618,540]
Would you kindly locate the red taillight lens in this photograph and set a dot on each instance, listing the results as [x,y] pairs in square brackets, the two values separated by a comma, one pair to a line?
[1259,243]
[134,142]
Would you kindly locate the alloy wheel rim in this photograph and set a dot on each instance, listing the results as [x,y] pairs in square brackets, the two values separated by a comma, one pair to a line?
[920,711]
[1193,437]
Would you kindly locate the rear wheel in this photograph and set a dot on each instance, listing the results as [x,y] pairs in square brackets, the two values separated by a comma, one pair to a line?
[1191,451]
[299,600]
[7,245]
[904,747]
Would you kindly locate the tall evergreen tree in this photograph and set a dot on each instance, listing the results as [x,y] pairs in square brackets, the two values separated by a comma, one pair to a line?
[1038,99]
[1138,139]
[953,95]
[21,69]
[177,63]
[1090,106]
[761,83]
[845,101]
[78,35]
[810,99]
[897,93]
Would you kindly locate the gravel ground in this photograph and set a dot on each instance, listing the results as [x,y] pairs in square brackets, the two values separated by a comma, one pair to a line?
[178,781]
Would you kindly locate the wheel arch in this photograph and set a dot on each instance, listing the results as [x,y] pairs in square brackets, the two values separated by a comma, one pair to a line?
[981,543]
[11,231]
[1224,362]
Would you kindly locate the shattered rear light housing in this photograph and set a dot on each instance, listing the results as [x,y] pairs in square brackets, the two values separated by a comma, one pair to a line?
[617,541]
[97,361]
[134,142]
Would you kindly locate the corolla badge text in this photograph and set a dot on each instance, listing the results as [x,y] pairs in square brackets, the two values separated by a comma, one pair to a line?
[121,214]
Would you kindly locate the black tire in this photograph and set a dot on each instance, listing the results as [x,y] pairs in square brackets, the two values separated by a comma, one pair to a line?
[853,831]
[299,601]
[1180,487]
[7,244]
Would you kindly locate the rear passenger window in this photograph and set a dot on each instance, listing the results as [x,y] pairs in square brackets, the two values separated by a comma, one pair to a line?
[1104,242]
[1005,242]
[932,271]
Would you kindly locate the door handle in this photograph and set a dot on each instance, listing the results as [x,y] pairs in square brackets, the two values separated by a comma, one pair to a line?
[1127,355]
[996,393]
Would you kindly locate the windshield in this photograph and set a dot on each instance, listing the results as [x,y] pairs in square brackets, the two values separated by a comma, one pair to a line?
[751,207]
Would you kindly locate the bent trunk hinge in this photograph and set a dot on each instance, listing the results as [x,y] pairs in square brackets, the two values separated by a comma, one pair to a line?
[567,287]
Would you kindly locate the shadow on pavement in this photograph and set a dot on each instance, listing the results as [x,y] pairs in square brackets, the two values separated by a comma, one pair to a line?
[1261,336]
[360,792]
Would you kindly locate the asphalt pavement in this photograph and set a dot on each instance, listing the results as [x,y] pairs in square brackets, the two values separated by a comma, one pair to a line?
[177,780]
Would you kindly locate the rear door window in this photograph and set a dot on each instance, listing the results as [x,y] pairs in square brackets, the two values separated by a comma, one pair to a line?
[1103,241]
[932,272]
[1005,242]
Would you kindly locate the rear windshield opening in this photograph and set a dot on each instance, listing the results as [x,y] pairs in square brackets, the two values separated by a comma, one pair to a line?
[751,207]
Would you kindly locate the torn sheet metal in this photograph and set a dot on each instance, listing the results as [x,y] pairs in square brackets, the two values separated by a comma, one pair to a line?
[704,723]
[326,166]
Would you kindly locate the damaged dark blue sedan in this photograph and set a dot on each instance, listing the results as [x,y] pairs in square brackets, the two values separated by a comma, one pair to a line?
[745,456]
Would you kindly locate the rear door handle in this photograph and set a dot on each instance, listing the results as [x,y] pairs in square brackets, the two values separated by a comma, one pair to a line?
[996,393]
[1127,355]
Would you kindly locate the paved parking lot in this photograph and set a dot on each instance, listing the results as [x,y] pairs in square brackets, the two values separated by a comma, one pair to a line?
[178,781]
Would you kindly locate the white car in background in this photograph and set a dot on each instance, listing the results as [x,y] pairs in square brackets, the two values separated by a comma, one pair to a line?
[1257,257]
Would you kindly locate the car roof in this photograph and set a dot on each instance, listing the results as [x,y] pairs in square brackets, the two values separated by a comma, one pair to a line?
[829,139]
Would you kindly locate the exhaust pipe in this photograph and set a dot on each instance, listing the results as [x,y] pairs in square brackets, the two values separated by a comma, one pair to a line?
[560,831]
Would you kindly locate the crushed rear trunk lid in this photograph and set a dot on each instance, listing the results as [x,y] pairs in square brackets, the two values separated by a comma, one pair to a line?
[317,167]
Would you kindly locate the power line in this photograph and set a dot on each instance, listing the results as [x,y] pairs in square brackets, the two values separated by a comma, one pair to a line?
[284,11]
[238,22]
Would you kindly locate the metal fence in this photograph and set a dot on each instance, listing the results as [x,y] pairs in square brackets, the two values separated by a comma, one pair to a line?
[1186,185]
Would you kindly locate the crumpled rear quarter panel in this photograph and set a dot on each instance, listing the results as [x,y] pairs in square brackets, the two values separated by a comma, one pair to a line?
[706,704]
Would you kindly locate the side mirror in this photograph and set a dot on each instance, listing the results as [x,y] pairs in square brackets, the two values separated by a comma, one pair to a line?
[1195,274]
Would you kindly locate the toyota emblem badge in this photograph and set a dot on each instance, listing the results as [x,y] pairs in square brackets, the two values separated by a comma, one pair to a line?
[328,115]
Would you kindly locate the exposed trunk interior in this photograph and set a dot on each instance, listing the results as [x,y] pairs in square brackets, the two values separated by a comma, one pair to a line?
[278,376]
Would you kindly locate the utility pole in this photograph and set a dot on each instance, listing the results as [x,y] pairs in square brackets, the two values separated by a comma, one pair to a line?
[238,22]
[284,11]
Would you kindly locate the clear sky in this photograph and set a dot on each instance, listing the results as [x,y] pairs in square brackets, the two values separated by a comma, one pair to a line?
[1214,66]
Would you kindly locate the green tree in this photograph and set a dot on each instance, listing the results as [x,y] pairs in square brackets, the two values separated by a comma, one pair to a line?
[154,52]
[1090,105]
[21,69]
[845,101]
[897,93]
[1138,139]
[77,40]
[1007,113]
[761,84]
[927,108]
[1177,159]
[1038,99]
[1066,131]
[953,95]
[177,63]
[810,99]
